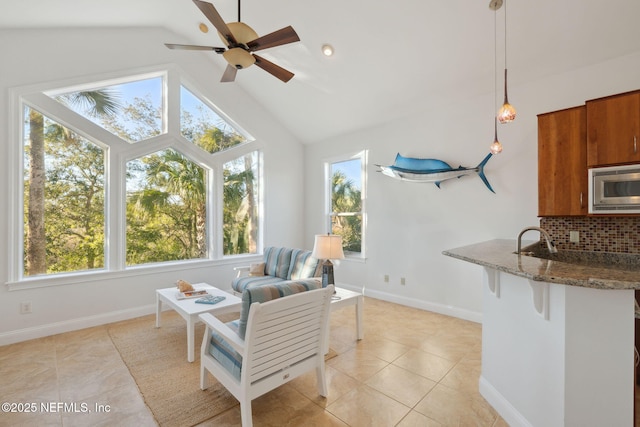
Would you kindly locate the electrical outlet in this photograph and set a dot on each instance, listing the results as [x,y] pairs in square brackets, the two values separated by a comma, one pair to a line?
[402,281]
[386,278]
[574,236]
[25,307]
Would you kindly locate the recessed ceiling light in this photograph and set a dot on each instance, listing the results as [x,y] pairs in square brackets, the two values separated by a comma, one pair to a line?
[327,49]
[203,27]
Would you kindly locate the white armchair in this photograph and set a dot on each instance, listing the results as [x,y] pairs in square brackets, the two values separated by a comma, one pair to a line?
[274,341]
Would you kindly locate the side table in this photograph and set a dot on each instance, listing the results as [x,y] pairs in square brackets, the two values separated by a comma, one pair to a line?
[189,309]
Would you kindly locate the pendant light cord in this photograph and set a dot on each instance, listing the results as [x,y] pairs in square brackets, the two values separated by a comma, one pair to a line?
[505,33]
[506,98]
[495,60]
[239,20]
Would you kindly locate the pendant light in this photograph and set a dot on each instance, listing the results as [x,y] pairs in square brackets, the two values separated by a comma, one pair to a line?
[507,112]
[496,147]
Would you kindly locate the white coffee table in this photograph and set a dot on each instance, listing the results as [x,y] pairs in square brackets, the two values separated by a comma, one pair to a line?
[189,309]
[343,298]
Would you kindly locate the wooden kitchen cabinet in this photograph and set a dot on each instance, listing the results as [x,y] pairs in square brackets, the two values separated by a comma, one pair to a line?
[613,130]
[562,163]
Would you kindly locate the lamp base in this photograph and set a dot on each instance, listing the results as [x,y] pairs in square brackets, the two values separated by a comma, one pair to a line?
[327,274]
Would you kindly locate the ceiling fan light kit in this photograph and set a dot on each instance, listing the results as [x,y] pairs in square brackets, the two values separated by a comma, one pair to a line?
[241,42]
[241,32]
[239,58]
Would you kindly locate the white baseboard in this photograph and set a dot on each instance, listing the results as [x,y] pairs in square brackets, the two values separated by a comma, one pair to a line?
[447,310]
[74,324]
[508,413]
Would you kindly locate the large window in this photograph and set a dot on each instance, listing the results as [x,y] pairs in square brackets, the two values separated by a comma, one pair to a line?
[112,178]
[63,198]
[346,192]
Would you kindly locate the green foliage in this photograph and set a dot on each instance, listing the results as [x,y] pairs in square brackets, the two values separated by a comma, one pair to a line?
[346,219]
[166,210]
[240,206]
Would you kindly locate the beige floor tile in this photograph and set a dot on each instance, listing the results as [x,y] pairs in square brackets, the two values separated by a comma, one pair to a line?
[284,406]
[411,337]
[383,348]
[41,348]
[455,408]
[444,346]
[426,364]
[401,385]
[79,380]
[416,419]
[464,377]
[338,384]
[35,379]
[358,364]
[365,406]
[121,406]
[39,419]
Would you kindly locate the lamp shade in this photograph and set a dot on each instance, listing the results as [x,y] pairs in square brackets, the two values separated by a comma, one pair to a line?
[328,246]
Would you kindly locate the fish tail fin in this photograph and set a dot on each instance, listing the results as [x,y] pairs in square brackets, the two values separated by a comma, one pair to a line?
[437,184]
[481,172]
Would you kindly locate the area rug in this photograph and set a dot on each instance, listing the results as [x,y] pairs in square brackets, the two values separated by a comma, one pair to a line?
[157,361]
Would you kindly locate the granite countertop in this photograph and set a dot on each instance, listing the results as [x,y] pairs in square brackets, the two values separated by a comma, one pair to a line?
[603,272]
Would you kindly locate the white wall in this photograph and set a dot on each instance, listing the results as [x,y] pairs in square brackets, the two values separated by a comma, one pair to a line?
[410,224]
[34,57]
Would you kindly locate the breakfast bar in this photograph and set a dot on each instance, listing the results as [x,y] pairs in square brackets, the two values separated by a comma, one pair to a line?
[557,335]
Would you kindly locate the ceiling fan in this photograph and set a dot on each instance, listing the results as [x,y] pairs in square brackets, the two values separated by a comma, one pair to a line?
[241,41]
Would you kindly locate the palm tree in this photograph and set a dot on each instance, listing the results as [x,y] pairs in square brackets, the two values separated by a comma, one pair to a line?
[346,200]
[182,177]
[100,102]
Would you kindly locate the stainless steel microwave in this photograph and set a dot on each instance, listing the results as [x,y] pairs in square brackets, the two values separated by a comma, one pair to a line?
[614,190]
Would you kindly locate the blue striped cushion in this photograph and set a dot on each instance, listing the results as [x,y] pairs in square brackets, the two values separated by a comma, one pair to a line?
[270,292]
[225,354]
[303,265]
[277,261]
[239,284]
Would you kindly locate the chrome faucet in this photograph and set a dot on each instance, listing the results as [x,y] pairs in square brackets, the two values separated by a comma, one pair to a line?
[550,245]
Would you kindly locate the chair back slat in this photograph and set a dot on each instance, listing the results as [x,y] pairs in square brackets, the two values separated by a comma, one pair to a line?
[284,332]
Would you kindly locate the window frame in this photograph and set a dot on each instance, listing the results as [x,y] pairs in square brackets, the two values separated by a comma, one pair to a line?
[328,188]
[117,153]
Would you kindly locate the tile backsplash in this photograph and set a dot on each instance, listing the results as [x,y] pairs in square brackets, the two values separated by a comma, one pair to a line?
[597,234]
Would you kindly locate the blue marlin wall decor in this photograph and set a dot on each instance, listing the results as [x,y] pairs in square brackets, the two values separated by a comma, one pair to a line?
[431,170]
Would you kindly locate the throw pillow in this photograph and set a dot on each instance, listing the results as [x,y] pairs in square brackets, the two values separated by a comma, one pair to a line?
[257,269]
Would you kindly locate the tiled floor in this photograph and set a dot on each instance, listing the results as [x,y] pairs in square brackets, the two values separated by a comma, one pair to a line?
[413,368]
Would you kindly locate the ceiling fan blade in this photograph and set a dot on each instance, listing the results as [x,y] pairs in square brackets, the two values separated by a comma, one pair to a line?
[275,70]
[277,38]
[229,74]
[212,15]
[194,47]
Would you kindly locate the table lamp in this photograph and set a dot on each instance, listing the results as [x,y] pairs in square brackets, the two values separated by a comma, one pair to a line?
[327,247]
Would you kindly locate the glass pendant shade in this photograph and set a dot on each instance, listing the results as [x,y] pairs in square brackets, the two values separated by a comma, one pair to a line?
[496,147]
[507,112]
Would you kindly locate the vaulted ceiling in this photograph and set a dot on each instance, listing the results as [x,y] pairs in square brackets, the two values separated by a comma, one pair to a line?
[390,57]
